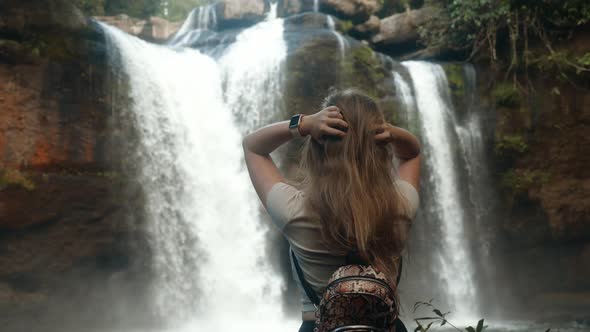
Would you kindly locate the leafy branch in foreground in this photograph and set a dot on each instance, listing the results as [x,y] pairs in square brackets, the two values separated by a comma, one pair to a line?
[440,318]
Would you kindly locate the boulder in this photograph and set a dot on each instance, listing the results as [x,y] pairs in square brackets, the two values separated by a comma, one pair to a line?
[155,29]
[293,7]
[367,29]
[357,11]
[403,28]
[240,13]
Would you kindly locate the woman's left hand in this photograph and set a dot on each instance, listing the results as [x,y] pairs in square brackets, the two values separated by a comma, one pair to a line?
[327,122]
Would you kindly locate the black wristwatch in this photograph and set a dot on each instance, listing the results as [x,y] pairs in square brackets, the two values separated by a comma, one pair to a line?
[294,125]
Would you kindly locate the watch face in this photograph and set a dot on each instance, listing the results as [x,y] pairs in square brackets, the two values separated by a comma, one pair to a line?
[294,121]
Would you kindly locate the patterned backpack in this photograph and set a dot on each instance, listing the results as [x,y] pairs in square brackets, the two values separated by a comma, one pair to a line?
[358,298]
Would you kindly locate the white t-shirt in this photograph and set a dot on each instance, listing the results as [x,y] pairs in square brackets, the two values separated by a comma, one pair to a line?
[285,204]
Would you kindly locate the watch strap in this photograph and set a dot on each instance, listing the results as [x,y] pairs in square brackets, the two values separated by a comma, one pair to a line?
[294,128]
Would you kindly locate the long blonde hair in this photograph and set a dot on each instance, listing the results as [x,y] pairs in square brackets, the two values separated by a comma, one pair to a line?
[349,185]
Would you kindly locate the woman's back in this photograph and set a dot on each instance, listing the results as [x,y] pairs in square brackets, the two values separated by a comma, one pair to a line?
[286,206]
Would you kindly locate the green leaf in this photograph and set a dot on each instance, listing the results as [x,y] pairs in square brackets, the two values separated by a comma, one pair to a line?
[479,325]
[443,322]
[470,329]
[436,311]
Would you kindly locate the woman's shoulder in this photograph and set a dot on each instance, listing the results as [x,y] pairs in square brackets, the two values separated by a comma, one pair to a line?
[411,194]
[284,202]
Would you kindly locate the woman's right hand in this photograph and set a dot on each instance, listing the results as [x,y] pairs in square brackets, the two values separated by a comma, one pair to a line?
[327,122]
[383,133]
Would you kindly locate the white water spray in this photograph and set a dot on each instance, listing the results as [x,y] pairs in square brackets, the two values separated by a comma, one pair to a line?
[343,44]
[432,100]
[404,93]
[200,19]
[252,70]
[202,214]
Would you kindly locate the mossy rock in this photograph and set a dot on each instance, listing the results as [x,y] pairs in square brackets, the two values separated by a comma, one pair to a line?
[521,180]
[14,177]
[510,145]
[456,78]
[506,95]
[361,68]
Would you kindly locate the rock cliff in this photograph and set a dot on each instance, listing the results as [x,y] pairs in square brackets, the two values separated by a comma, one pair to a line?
[70,243]
[64,232]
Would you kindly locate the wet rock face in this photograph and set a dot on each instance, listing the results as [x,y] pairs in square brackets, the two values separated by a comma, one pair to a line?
[156,29]
[357,11]
[293,7]
[17,16]
[401,30]
[240,13]
[62,227]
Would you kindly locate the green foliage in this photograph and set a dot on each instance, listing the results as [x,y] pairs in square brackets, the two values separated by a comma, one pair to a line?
[584,60]
[345,26]
[440,317]
[362,69]
[485,27]
[454,73]
[14,177]
[468,16]
[90,7]
[506,95]
[508,145]
[523,180]
[563,13]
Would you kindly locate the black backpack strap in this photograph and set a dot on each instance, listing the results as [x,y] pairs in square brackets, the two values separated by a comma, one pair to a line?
[313,297]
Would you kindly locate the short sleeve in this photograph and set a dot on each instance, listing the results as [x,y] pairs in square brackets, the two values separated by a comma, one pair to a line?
[283,203]
[411,195]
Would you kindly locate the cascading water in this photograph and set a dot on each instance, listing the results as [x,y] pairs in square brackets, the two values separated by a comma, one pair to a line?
[202,214]
[404,92]
[252,72]
[438,124]
[342,42]
[200,19]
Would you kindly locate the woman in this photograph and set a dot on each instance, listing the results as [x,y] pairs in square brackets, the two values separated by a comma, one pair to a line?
[351,198]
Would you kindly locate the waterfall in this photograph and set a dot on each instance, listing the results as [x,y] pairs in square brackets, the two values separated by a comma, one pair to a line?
[200,19]
[252,72]
[404,93]
[342,42]
[316,5]
[453,262]
[201,212]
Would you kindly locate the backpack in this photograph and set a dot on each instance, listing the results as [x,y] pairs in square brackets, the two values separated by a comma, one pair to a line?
[357,298]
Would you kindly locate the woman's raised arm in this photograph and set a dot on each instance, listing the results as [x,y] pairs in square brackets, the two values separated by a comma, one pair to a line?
[259,144]
[407,149]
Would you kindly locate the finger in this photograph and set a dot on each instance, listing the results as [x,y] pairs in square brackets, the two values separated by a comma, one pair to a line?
[326,130]
[337,114]
[332,109]
[383,136]
[337,123]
